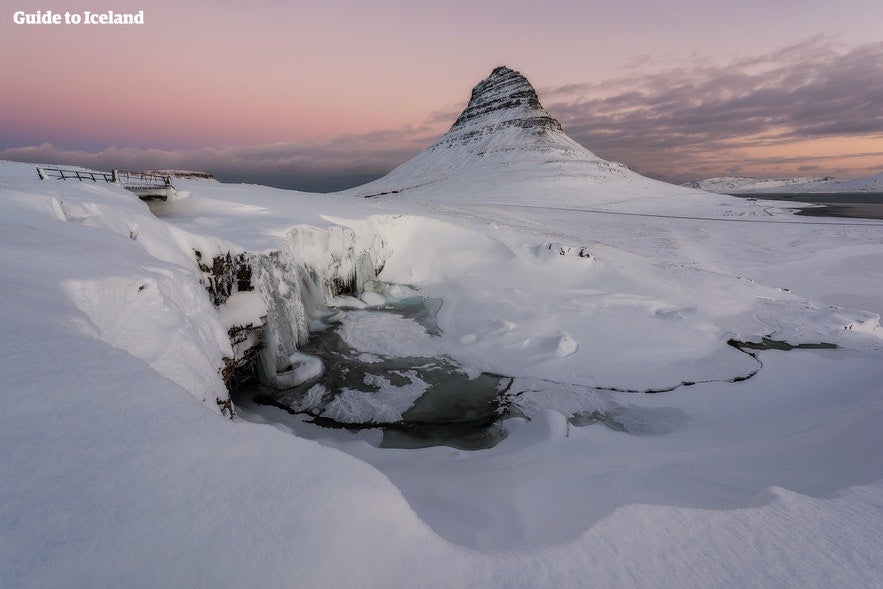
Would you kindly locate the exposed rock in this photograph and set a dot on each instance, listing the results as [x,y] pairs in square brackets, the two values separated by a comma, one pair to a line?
[226,275]
[505,98]
[548,248]
[247,341]
[291,287]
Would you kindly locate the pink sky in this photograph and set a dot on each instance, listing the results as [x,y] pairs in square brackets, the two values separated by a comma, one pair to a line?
[219,77]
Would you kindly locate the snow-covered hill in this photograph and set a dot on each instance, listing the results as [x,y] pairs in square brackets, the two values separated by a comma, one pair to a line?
[739,184]
[803,185]
[873,183]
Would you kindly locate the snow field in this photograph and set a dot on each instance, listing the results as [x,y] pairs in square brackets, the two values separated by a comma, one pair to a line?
[114,473]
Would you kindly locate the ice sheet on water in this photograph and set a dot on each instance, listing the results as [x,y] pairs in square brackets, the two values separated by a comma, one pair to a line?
[584,406]
[385,367]
[385,405]
[388,334]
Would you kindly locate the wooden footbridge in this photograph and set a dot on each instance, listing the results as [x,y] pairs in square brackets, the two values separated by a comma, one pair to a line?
[147,185]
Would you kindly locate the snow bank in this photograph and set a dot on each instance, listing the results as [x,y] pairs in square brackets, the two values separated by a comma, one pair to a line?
[114,474]
[118,274]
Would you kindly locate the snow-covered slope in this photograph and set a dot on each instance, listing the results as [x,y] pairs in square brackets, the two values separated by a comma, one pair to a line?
[803,185]
[122,276]
[739,184]
[873,183]
[113,475]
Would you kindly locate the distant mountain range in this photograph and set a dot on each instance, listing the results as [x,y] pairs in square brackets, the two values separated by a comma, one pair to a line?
[801,185]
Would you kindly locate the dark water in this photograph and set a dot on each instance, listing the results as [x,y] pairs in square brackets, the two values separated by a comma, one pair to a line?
[767,343]
[455,410]
[856,205]
[833,197]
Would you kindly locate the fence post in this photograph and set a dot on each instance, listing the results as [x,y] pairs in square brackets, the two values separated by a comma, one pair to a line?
[40,173]
[113,176]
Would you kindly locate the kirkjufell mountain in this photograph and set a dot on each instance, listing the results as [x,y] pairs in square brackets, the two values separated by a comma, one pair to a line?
[505,147]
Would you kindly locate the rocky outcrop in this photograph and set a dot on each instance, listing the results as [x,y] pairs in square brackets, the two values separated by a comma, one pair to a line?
[227,274]
[268,300]
[503,99]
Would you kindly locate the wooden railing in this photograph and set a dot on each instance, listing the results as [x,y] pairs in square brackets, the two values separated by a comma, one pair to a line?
[130,180]
[60,174]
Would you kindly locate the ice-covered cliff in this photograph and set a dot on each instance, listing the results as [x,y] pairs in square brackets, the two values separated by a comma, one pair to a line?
[199,308]
[310,267]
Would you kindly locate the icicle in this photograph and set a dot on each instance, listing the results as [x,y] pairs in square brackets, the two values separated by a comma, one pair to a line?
[297,283]
[279,283]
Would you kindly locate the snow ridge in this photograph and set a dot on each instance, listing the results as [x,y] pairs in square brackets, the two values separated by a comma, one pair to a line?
[799,185]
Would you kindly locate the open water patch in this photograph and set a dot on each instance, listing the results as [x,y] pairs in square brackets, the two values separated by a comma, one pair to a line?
[853,205]
[767,343]
[384,368]
[385,377]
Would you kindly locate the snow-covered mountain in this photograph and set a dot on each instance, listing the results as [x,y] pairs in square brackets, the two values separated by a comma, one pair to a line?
[799,185]
[739,184]
[873,183]
[505,147]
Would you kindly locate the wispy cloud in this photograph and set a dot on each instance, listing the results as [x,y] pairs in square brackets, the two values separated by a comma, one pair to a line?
[758,115]
[340,162]
[668,122]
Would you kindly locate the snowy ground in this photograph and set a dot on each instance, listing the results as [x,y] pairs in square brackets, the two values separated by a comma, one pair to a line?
[804,185]
[118,469]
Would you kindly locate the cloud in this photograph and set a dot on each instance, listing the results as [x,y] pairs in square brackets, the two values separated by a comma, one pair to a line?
[698,119]
[335,164]
[666,121]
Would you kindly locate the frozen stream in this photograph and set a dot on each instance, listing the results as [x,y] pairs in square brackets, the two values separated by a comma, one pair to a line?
[386,380]
[384,371]
[546,460]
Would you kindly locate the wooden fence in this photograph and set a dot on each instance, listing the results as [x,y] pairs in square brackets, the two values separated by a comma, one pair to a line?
[140,183]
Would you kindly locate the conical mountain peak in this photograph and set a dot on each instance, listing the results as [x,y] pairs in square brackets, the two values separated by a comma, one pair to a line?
[503,145]
[505,98]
